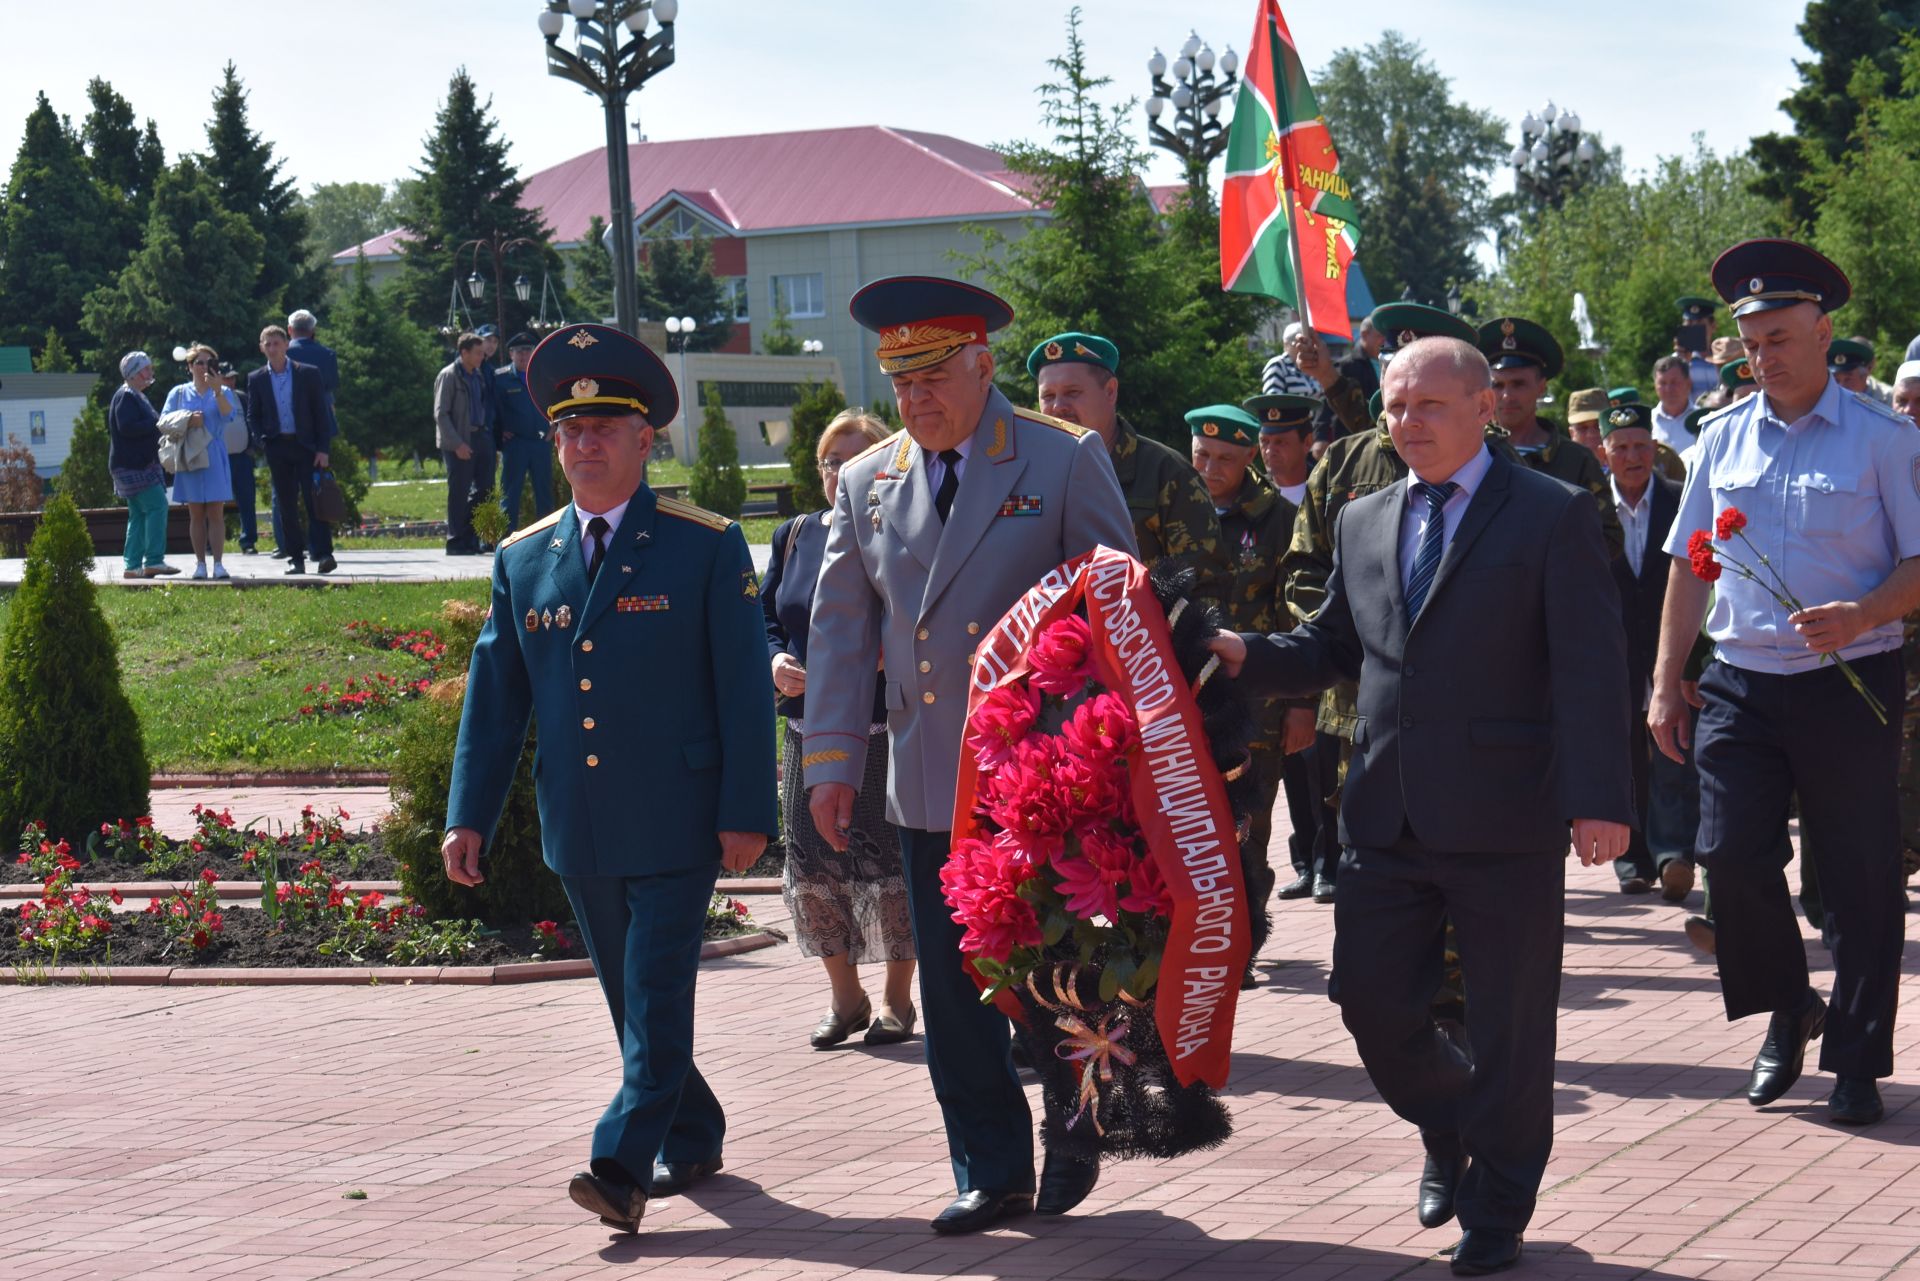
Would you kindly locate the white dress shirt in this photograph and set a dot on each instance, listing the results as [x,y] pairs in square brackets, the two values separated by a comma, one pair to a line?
[1413,525]
[937,470]
[612,517]
[1634,522]
[1671,429]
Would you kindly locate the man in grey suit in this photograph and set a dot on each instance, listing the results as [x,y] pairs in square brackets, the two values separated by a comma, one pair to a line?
[936,533]
[1475,605]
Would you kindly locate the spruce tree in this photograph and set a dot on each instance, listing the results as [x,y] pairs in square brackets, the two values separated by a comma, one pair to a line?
[677,280]
[248,178]
[780,340]
[817,405]
[125,163]
[51,251]
[54,358]
[590,267]
[385,363]
[71,751]
[84,476]
[715,482]
[468,190]
[192,279]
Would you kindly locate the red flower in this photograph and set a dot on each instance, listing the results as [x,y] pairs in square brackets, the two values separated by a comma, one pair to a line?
[1705,567]
[207,875]
[1101,728]
[1700,553]
[1148,890]
[115,895]
[1000,722]
[1728,523]
[1061,656]
[1086,788]
[982,883]
[1088,891]
[1022,797]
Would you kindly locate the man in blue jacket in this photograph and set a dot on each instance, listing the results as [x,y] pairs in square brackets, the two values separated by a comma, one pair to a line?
[287,411]
[304,349]
[630,624]
[524,452]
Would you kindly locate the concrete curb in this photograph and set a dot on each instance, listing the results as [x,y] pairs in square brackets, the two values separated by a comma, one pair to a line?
[344,976]
[270,778]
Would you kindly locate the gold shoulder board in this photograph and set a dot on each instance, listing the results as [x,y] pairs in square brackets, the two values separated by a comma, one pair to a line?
[687,511]
[547,521]
[1072,429]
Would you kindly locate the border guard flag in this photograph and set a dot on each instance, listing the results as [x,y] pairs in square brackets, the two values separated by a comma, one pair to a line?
[1288,228]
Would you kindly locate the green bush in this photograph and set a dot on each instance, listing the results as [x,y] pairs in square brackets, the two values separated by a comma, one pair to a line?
[84,477]
[519,888]
[811,414]
[715,482]
[70,746]
[349,467]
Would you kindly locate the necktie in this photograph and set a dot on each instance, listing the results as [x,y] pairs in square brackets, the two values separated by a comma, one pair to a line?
[597,531]
[949,484]
[1433,541]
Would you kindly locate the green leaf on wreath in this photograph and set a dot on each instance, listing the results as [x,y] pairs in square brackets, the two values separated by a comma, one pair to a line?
[1146,975]
[1055,928]
[1110,982]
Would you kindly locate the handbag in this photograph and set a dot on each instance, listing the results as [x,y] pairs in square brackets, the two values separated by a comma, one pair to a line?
[238,438]
[329,500]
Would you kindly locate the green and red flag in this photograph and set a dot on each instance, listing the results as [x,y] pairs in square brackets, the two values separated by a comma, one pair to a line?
[1288,227]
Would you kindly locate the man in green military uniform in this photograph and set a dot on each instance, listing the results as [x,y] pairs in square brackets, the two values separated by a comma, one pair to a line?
[1525,357]
[1665,460]
[1256,525]
[630,625]
[1078,377]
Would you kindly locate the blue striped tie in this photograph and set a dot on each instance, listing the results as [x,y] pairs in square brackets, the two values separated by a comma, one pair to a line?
[1433,542]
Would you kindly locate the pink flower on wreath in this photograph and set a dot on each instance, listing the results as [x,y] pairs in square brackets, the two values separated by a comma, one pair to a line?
[982,883]
[1088,789]
[1147,890]
[1022,796]
[1108,850]
[1034,849]
[1101,728]
[1000,722]
[1087,890]
[1061,656]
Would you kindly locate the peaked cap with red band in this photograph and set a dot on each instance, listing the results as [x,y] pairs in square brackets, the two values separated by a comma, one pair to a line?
[922,320]
[595,370]
[1761,275]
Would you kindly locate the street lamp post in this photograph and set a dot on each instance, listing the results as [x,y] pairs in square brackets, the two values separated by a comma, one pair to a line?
[612,70]
[813,346]
[679,333]
[497,247]
[1553,158]
[1194,132]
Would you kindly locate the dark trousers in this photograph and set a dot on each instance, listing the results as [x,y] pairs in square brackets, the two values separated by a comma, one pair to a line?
[1762,738]
[1300,779]
[525,460]
[1330,753]
[1255,857]
[643,933]
[291,465]
[1644,859]
[246,496]
[1494,1098]
[989,1127]
[1673,804]
[462,474]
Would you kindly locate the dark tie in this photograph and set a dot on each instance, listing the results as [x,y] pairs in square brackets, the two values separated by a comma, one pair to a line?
[949,484]
[1433,542]
[597,531]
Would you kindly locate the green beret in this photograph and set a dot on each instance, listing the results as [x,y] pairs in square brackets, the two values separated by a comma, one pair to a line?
[1737,373]
[1618,396]
[1081,349]
[1623,416]
[1512,343]
[1228,423]
[1695,309]
[1403,322]
[1692,421]
[1373,407]
[1844,354]
[1281,413]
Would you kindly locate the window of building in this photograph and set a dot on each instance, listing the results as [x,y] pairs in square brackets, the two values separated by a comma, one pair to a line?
[735,308]
[676,224]
[37,426]
[802,297]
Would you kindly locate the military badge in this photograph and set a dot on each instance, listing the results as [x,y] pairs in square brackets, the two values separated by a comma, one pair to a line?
[1406,336]
[582,340]
[640,605]
[546,619]
[1755,285]
[584,388]
[1021,505]
[1621,418]
[533,620]
[1211,429]
[1055,351]
[749,585]
[1080,349]
[1273,415]
[1745,370]
[563,617]
[999,445]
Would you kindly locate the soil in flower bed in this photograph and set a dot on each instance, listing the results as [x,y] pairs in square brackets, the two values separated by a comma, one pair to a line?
[361,859]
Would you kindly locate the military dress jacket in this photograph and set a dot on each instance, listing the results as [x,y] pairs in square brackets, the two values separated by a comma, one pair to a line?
[650,685]
[896,585]
[1172,514]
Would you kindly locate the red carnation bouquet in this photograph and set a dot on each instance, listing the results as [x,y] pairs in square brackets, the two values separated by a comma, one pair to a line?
[1095,864]
[1707,561]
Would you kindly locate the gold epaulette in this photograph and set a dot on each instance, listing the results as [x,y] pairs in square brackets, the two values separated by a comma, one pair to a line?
[874,448]
[687,511]
[1072,429]
[545,522]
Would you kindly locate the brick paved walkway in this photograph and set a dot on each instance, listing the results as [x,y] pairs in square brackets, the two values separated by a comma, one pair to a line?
[157,1134]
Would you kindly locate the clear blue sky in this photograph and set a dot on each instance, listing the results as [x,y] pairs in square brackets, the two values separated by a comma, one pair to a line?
[346,89]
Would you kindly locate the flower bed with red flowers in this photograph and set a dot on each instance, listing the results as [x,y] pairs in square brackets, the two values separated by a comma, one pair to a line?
[371,691]
[133,850]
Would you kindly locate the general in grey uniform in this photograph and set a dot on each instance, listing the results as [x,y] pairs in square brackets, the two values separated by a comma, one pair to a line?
[936,533]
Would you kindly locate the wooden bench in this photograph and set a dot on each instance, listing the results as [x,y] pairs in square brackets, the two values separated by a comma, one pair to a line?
[106,526]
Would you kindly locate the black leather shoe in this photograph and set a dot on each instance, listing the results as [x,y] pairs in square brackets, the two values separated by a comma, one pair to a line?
[295,566]
[1322,890]
[1064,1182]
[891,1029]
[326,565]
[1438,1183]
[834,1029]
[1700,933]
[1485,1250]
[276,554]
[1856,1101]
[973,1211]
[671,1178]
[620,1205]
[1676,880]
[1298,887]
[1635,885]
[1784,1052]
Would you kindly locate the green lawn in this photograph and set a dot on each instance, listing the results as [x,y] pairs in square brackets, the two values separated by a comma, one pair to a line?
[217,678]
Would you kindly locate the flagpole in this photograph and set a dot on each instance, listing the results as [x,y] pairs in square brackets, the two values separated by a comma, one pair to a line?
[1293,214]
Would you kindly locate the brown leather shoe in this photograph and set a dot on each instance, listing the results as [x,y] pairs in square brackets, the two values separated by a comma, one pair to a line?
[1700,933]
[833,1029]
[889,1029]
[1676,880]
[620,1205]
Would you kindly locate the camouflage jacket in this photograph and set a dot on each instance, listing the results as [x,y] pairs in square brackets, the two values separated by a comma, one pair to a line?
[1171,510]
[1255,535]
[1564,458]
[1348,400]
